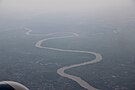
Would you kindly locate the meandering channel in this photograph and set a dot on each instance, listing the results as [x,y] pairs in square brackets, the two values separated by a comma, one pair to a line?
[61,71]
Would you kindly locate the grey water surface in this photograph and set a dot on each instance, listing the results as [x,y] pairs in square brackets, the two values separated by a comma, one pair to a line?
[104,26]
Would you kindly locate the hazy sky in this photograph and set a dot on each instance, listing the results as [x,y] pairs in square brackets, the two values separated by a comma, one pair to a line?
[26,8]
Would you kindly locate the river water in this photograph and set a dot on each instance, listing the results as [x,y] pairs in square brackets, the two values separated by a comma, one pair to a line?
[110,23]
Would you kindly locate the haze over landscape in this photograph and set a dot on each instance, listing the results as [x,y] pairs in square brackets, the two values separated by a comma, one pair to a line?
[68,44]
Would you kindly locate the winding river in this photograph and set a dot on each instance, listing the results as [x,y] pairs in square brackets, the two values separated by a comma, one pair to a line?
[61,71]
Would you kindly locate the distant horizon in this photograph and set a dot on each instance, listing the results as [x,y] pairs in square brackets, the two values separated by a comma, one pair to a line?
[34,8]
